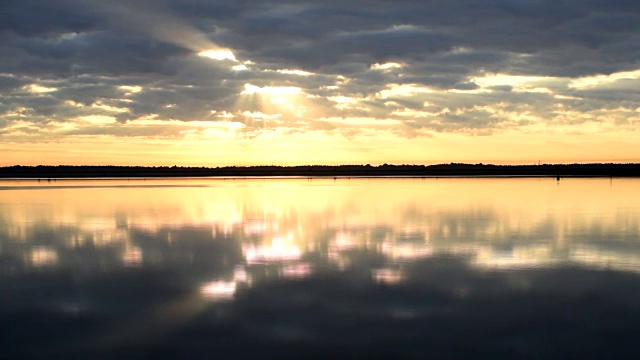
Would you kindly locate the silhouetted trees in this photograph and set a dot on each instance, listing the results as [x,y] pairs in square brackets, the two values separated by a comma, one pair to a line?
[440,170]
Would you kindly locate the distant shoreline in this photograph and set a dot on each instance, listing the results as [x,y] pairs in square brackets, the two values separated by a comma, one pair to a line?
[405,171]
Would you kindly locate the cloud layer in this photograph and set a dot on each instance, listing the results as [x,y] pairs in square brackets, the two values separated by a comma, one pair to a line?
[205,70]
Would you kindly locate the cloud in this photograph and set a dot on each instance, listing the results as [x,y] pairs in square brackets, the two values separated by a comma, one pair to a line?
[465,67]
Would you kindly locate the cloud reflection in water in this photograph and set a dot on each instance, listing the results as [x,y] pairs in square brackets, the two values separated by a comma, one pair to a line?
[291,268]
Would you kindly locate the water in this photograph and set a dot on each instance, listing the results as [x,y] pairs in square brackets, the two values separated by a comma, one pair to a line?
[304,268]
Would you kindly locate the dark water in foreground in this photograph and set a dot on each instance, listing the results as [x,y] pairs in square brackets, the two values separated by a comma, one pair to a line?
[359,268]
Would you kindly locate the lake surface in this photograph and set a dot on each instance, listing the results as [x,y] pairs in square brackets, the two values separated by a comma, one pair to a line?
[320,268]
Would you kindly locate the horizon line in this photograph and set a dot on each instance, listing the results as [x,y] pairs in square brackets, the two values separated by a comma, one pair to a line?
[323,165]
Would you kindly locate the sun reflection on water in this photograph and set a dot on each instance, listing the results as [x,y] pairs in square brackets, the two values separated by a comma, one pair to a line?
[219,290]
[43,256]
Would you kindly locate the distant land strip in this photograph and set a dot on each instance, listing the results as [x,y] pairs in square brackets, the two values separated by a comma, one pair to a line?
[386,170]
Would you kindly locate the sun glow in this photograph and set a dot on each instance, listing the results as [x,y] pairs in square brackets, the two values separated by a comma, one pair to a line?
[285,101]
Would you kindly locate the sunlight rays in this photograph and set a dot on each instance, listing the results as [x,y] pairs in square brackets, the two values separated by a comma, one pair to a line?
[282,104]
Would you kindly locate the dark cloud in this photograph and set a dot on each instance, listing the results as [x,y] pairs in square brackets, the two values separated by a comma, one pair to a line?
[44,18]
[9,83]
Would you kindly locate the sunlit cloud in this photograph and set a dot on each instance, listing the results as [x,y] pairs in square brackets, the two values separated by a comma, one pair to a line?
[509,80]
[99,105]
[270,90]
[129,90]
[415,113]
[260,116]
[222,114]
[386,66]
[220,54]
[38,89]
[599,80]
[294,72]
[340,99]
[96,119]
[403,90]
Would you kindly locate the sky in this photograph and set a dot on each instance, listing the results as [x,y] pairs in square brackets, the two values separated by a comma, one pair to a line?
[283,82]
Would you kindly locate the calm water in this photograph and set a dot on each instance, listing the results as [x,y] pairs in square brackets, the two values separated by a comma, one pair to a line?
[351,268]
